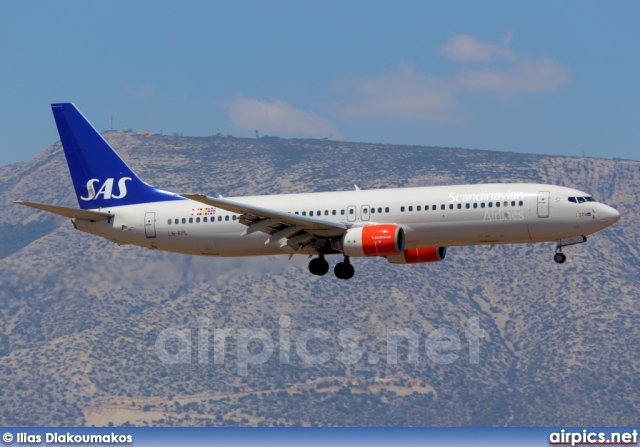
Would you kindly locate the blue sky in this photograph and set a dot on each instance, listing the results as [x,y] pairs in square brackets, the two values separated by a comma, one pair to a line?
[542,77]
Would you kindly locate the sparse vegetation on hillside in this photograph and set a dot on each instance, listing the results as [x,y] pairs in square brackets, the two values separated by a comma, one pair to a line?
[16,236]
[80,317]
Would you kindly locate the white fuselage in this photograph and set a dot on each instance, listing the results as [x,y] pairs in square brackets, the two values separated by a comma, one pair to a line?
[430,216]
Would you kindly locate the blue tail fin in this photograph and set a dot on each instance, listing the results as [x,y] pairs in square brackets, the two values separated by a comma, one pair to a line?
[100,177]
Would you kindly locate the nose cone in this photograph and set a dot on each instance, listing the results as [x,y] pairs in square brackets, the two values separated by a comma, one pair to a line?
[608,215]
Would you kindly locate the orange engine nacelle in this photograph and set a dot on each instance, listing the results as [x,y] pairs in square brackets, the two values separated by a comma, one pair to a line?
[373,240]
[417,255]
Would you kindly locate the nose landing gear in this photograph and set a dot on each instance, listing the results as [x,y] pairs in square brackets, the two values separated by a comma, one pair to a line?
[560,257]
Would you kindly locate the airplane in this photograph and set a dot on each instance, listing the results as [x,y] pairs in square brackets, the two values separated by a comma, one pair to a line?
[403,225]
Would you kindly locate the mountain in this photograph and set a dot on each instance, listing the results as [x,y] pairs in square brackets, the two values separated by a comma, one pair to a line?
[88,329]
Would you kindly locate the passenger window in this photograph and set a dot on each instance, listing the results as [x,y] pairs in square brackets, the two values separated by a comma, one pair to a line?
[490,204]
[521,203]
[184,220]
[197,220]
[365,210]
[226,217]
[573,200]
[373,210]
[581,200]
[497,204]
[351,211]
[191,220]
[513,203]
[506,203]
[342,212]
[434,207]
[310,213]
[176,221]
[482,205]
[319,213]
[442,207]
[219,218]
[410,208]
[326,212]
[169,221]
[235,217]
[204,219]
[379,210]
[475,205]
[333,212]
[467,206]
[304,213]
[402,209]
[297,212]
[418,208]
[451,206]
[386,210]
[459,206]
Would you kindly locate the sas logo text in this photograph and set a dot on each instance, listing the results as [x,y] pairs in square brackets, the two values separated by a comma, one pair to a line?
[106,190]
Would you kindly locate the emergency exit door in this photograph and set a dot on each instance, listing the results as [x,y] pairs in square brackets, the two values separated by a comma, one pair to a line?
[150,224]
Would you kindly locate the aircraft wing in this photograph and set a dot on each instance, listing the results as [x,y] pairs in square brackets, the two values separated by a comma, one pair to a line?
[68,212]
[277,224]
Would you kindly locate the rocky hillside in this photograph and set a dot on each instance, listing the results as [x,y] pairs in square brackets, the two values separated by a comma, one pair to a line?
[80,318]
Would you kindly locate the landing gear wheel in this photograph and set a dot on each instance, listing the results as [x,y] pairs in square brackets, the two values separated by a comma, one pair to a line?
[344,270]
[319,266]
[559,258]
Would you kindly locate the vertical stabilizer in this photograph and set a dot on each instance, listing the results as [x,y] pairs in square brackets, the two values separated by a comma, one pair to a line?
[100,177]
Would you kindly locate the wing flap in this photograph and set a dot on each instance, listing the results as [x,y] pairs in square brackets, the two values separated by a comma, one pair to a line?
[68,212]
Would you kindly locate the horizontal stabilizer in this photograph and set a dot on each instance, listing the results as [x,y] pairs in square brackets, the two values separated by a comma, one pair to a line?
[69,212]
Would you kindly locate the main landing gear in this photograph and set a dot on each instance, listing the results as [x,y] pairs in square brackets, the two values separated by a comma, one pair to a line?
[560,257]
[319,266]
[343,270]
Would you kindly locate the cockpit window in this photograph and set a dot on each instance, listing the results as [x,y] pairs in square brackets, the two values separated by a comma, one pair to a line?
[581,199]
